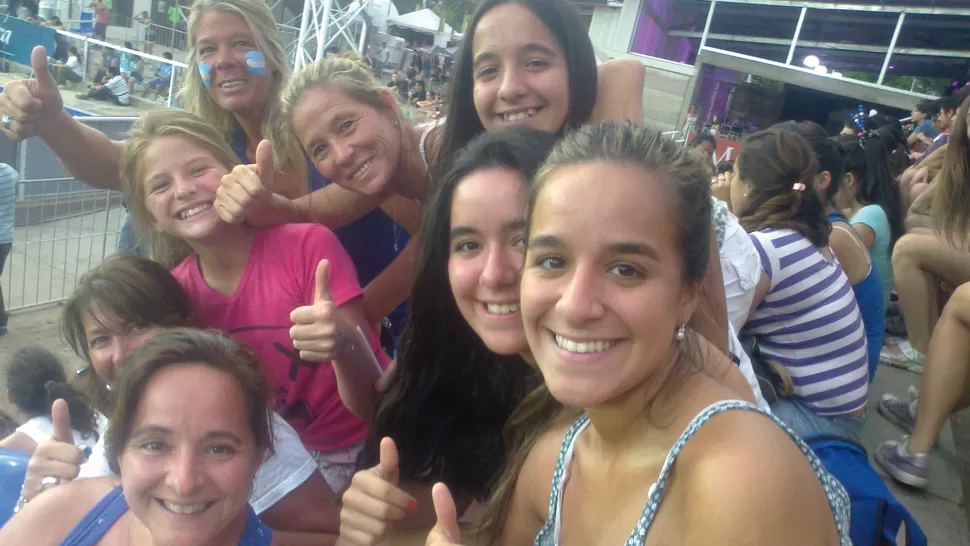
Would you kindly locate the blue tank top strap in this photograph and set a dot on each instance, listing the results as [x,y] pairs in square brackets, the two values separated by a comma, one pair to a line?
[96,523]
[256,532]
[549,534]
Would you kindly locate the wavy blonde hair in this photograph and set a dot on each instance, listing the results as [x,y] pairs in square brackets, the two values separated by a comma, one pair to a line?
[197,99]
[165,122]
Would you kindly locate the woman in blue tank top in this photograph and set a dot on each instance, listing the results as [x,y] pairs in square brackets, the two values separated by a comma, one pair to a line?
[191,427]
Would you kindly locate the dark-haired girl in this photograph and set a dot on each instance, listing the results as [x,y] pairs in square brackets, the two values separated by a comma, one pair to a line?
[804,315]
[35,379]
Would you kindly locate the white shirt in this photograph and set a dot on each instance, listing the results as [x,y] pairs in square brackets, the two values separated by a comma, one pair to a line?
[40,429]
[279,474]
[119,87]
[74,64]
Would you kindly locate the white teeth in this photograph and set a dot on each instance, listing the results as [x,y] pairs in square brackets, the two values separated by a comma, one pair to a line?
[581,346]
[502,309]
[528,113]
[187,509]
[360,172]
[186,214]
[230,84]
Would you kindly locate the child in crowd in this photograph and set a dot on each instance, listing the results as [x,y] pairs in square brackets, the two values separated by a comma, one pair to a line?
[35,379]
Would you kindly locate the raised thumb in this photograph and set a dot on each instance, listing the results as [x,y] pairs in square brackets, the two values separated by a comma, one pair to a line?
[265,165]
[444,508]
[61,417]
[42,72]
[322,289]
[389,465]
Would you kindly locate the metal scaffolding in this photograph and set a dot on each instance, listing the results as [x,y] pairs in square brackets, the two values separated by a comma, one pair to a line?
[328,22]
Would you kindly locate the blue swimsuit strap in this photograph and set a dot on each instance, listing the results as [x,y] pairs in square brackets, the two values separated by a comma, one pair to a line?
[95,524]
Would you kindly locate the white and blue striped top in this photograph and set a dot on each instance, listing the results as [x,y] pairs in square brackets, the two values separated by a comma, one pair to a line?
[810,323]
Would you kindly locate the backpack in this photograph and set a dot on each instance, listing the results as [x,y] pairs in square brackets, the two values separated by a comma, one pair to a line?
[876,513]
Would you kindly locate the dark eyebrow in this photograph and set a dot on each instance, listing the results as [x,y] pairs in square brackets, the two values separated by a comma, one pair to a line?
[482,57]
[461,231]
[536,47]
[515,225]
[155,430]
[550,241]
[642,249]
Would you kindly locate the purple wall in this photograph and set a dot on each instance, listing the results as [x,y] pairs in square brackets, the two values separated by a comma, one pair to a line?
[650,39]
[709,103]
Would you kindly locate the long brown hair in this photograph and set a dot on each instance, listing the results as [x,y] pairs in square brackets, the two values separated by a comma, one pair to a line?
[780,168]
[951,205]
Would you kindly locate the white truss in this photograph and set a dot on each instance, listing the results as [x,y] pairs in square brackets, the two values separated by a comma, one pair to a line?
[326,23]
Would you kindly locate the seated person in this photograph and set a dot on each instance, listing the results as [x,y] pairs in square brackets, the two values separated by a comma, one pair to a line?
[114,90]
[191,428]
[163,77]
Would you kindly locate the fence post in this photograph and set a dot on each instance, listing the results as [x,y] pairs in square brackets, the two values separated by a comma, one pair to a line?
[84,65]
[171,86]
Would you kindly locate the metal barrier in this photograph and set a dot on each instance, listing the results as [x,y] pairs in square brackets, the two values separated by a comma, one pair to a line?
[63,227]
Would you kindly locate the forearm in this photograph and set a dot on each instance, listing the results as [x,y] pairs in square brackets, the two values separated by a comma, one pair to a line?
[86,153]
[357,371]
[392,286]
[335,207]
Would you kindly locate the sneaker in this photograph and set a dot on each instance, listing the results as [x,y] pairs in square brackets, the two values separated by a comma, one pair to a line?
[898,410]
[909,469]
[903,356]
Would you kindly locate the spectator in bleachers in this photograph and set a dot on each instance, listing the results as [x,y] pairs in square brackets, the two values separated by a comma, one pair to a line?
[704,144]
[114,90]
[805,316]
[136,76]
[69,71]
[100,19]
[923,131]
[163,78]
[8,196]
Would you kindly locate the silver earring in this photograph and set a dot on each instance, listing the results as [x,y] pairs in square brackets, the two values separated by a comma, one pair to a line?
[681,334]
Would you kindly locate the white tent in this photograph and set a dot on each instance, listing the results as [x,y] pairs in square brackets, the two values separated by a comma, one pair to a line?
[423,20]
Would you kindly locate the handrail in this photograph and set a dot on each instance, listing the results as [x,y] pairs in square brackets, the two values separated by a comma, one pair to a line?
[141,54]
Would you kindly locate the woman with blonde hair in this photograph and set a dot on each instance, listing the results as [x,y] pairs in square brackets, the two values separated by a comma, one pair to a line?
[237,69]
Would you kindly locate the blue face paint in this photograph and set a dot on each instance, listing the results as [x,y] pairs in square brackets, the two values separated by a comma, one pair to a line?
[205,70]
[256,62]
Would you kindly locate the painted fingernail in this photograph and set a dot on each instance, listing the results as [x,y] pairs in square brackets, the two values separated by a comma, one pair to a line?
[413,506]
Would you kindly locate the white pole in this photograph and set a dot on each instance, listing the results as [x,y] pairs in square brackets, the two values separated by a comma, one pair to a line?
[798,31]
[892,46]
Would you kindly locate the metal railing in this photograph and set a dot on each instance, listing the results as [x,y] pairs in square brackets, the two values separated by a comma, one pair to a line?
[63,227]
[97,53]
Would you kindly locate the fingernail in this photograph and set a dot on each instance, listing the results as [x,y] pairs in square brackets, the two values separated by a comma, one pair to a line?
[413,506]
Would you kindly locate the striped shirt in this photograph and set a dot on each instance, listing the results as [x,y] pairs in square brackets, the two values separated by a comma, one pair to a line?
[810,323]
[119,87]
[8,195]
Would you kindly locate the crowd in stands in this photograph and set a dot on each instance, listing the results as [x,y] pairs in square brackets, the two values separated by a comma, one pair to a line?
[534,316]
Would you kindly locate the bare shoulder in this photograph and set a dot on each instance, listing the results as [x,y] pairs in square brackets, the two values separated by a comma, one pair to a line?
[50,517]
[736,478]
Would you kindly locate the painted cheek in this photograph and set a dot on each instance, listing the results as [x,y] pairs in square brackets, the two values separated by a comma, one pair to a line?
[205,70]
[256,63]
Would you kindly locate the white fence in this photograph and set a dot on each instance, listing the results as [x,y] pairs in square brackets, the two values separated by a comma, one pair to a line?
[63,227]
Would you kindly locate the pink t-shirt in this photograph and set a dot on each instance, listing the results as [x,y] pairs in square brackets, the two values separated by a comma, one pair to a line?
[279,277]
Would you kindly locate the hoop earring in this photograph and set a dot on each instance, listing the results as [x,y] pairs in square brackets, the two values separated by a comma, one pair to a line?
[681,333]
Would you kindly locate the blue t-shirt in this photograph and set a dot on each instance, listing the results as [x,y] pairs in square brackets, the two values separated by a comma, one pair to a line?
[926,127]
[875,218]
[8,195]
[372,241]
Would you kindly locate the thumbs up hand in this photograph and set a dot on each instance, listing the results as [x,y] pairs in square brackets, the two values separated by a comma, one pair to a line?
[32,104]
[374,503]
[446,531]
[248,188]
[318,332]
[57,457]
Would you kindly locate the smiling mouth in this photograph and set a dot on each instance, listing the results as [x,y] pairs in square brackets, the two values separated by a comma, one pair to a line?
[184,509]
[231,84]
[502,309]
[185,214]
[574,346]
[519,116]
[362,170]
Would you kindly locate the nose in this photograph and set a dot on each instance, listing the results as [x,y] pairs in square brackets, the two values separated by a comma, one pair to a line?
[184,186]
[223,57]
[501,268]
[343,152]
[513,86]
[580,301]
[185,475]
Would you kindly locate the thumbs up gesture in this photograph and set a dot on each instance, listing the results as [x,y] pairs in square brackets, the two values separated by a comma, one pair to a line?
[57,457]
[32,104]
[248,188]
[374,503]
[318,332]
[445,532]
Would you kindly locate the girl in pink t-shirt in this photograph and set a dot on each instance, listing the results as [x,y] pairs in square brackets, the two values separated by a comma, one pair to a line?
[290,292]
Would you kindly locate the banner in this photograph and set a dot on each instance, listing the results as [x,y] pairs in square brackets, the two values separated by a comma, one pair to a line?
[727,150]
[18,38]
